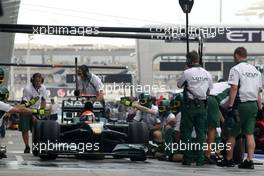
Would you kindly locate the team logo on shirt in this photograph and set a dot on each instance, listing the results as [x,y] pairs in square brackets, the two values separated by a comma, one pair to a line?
[250,75]
[199,78]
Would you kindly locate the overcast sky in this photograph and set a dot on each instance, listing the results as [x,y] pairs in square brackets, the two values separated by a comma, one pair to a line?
[133,13]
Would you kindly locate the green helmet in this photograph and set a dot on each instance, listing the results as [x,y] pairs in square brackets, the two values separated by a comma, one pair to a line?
[2,74]
[4,93]
[145,100]
[176,103]
[164,106]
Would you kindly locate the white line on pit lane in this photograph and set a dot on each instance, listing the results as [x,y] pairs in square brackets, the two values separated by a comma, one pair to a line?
[10,142]
[15,151]
[19,158]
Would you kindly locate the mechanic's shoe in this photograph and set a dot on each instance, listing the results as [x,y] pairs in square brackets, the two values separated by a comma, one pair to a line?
[162,157]
[186,163]
[214,158]
[226,163]
[209,160]
[246,164]
[27,149]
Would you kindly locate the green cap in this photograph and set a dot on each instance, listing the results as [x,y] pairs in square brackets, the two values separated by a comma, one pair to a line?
[145,100]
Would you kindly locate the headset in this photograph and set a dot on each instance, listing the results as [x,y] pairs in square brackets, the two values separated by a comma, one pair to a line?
[188,61]
[36,75]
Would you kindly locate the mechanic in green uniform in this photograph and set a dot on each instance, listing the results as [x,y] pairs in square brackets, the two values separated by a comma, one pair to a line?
[4,93]
[197,83]
[168,122]
[218,97]
[175,107]
[245,96]
[3,97]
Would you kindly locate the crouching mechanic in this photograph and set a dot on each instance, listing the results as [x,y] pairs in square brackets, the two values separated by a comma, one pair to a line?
[4,93]
[218,97]
[147,112]
[175,107]
[36,94]
[170,128]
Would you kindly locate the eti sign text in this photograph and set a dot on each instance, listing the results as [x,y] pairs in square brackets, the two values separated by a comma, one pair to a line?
[245,36]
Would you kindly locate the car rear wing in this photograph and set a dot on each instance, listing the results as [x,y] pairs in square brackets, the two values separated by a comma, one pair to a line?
[75,107]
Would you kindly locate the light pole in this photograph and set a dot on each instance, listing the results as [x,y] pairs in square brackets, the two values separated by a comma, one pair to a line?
[30,37]
[220,12]
[186,6]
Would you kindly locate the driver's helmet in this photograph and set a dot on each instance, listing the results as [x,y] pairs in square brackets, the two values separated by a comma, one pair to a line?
[176,103]
[145,100]
[87,117]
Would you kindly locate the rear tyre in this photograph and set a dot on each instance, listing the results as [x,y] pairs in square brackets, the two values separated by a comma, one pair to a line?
[141,158]
[48,157]
[36,137]
[138,133]
[49,135]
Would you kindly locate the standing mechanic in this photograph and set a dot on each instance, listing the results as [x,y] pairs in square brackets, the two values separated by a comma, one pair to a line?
[245,96]
[197,83]
[6,108]
[89,84]
[30,92]
[54,109]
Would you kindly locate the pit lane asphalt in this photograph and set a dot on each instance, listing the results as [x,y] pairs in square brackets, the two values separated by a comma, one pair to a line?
[22,164]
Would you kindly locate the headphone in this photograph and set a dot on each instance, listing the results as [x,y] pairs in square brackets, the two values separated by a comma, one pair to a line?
[189,61]
[36,75]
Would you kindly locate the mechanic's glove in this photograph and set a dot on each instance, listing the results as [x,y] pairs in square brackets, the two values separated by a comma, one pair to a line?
[31,102]
[230,112]
[40,112]
[127,103]
[77,93]
[260,115]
